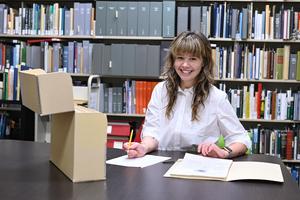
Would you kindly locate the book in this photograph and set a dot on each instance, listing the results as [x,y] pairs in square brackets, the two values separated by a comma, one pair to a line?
[292,67]
[194,18]
[143,18]
[279,63]
[128,54]
[111,20]
[182,19]
[155,21]
[286,62]
[101,10]
[122,21]
[132,18]
[199,167]
[289,144]
[168,18]
[153,60]
[119,129]
[141,59]
[298,66]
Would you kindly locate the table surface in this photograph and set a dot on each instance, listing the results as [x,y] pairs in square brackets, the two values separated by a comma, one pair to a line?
[27,173]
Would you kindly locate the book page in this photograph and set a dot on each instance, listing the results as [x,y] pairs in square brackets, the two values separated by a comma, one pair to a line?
[144,161]
[250,170]
[201,167]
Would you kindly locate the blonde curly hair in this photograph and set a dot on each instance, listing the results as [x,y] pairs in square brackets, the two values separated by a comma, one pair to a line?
[199,46]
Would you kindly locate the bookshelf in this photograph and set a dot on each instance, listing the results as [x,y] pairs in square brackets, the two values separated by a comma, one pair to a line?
[241,119]
[105,51]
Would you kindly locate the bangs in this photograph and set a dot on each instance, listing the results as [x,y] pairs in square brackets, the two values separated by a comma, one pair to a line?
[187,45]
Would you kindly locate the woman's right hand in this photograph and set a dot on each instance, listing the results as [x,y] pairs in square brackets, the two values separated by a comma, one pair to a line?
[135,149]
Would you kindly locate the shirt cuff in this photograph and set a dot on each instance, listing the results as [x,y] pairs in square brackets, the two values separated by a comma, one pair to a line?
[240,139]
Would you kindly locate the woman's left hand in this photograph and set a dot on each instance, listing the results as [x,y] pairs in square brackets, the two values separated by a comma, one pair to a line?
[212,150]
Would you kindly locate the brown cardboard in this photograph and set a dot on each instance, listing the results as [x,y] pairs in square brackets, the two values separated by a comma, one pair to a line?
[78,144]
[78,138]
[46,93]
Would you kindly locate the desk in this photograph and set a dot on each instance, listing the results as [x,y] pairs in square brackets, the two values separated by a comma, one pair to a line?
[26,173]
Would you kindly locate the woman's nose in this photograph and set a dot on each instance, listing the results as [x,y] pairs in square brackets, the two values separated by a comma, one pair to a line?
[185,62]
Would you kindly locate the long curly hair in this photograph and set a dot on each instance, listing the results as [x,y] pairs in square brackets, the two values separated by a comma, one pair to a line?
[199,46]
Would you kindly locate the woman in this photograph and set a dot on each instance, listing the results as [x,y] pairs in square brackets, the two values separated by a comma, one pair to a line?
[187,109]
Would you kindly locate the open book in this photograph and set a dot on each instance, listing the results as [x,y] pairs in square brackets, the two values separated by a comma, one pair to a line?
[198,167]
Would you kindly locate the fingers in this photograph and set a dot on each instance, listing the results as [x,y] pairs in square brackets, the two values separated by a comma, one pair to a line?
[211,147]
[132,146]
[208,149]
[134,150]
[132,153]
[204,148]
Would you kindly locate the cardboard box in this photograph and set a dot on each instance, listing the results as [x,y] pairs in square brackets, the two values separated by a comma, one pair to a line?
[78,144]
[78,137]
[46,93]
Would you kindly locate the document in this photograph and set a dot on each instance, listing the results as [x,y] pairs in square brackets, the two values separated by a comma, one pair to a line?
[144,161]
[200,167]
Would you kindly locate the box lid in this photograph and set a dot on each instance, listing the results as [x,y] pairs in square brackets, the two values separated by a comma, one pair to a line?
[46,93]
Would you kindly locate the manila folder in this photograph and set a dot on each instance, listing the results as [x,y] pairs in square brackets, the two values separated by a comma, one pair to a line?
[251,170]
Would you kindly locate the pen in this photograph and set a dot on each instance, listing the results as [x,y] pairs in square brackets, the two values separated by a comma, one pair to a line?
[130,138]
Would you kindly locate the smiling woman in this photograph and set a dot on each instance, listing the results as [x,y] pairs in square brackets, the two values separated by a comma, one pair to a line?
[187,109]
[197,48]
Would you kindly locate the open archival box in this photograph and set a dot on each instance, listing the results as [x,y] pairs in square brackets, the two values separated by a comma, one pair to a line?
[199,167]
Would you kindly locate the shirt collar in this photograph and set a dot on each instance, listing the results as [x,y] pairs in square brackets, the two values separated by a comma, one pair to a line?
[187,90]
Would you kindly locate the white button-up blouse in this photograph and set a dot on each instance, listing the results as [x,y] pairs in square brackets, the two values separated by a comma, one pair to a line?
[216,118]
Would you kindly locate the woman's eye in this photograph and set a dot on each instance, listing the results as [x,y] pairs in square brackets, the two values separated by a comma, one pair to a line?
[179,58]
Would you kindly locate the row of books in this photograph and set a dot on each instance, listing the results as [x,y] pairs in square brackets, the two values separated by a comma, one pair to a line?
[84,57]
[10,86]
[10,83]
[131,98]
[249,103]
[73,57]
[242,61]
[144,18]
[135,18]
[51,19]
[284,144]
[237,62]
[127,59]
[223,20]
[132,18]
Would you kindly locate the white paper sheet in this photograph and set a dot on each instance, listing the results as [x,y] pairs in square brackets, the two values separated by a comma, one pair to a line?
[196,165]
[144,161]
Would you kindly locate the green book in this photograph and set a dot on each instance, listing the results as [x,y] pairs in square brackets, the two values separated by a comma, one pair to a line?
[298,66]
[23,53]
[278,143]
[279,63]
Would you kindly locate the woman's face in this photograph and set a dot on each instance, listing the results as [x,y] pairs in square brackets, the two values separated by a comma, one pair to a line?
[187,67]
